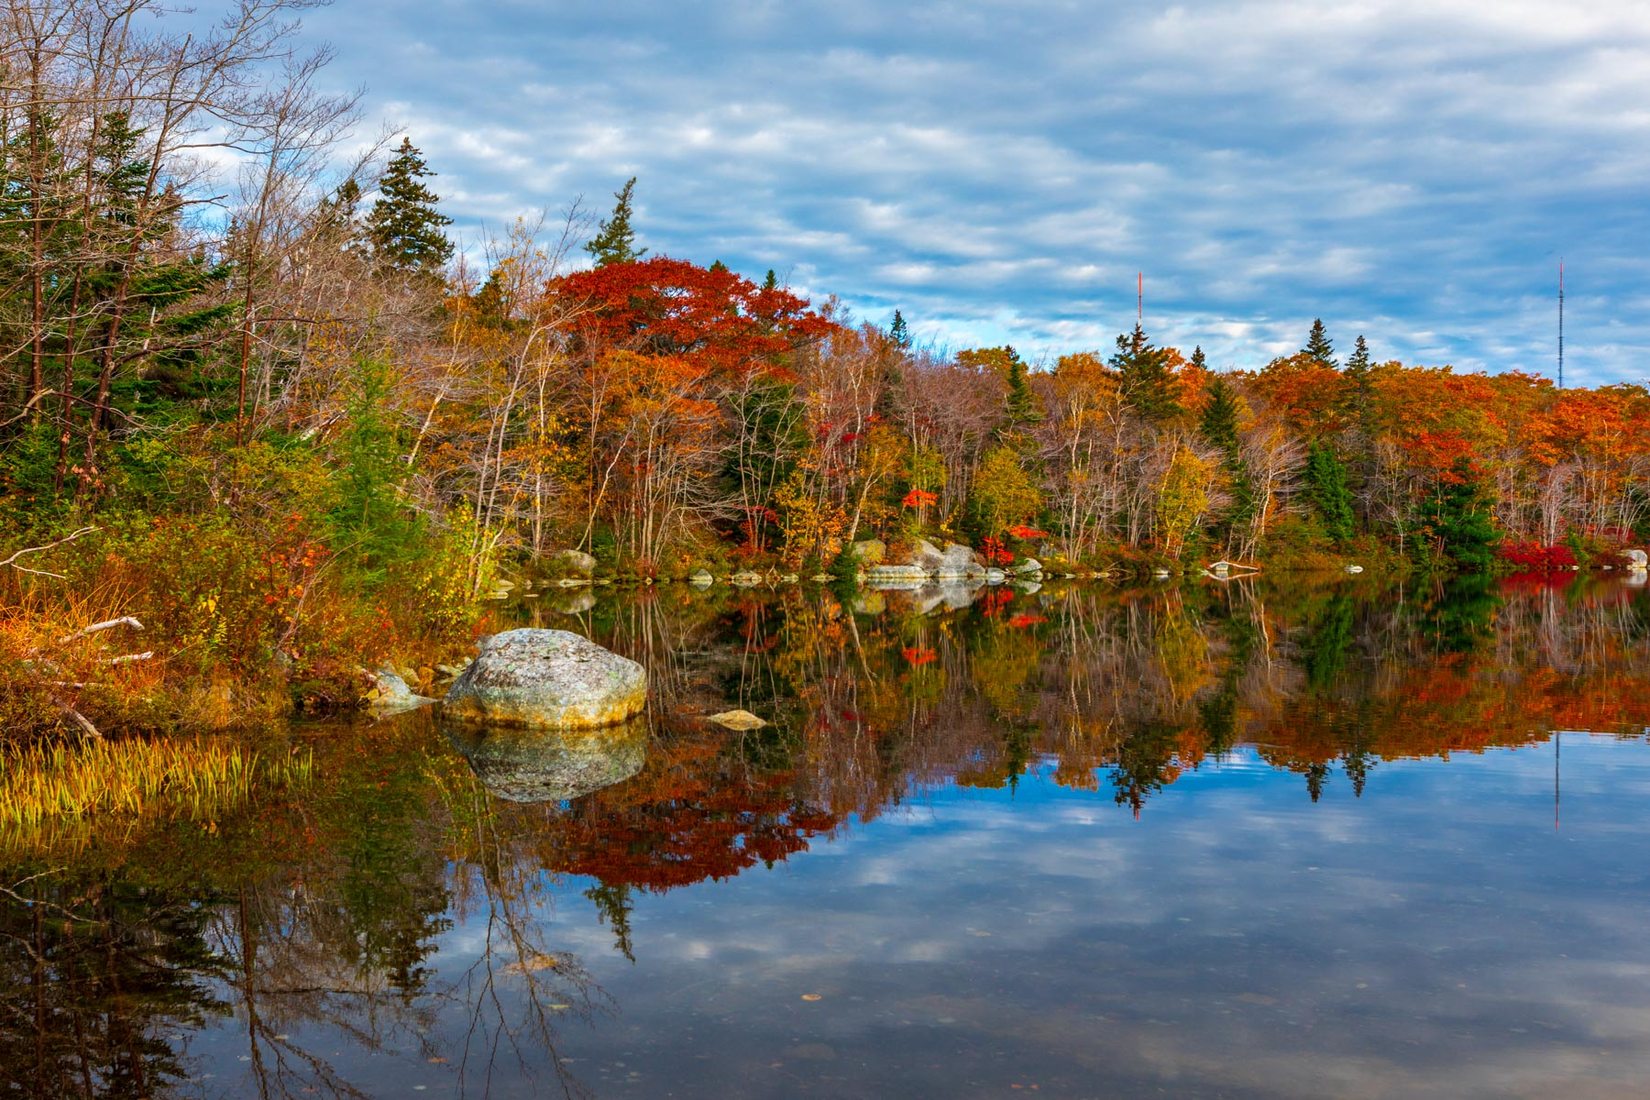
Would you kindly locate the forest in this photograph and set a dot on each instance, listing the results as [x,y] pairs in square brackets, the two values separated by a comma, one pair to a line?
[264,421]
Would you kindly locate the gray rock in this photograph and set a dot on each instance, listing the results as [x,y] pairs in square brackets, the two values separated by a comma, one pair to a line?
[1354,569]
[574,563]
[871,602]
[1030,565]
[547,679]
[896,576]
[1638,561]
[995,576]
[745,579]
[550,765]
[391,693]
[701,578]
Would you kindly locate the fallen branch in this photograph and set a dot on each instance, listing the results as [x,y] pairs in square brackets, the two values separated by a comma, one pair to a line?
[12,561]
[108,624]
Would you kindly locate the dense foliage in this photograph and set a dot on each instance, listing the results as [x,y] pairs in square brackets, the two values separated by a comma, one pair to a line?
[304,437]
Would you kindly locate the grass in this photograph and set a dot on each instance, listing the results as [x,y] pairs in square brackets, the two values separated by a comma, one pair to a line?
[195,780]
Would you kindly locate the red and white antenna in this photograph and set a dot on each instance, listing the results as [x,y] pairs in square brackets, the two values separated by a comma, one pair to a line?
[1139,297]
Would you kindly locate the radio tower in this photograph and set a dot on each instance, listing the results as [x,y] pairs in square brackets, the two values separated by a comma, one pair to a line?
[1139,297]
[1561,324]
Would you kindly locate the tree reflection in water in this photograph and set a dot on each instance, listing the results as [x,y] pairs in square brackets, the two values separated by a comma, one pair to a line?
[312,922]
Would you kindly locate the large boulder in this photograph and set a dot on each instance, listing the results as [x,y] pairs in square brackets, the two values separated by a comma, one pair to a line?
[954,562]
[1638,561]
[547,679]
[550,765]
[870,551]
[573,563]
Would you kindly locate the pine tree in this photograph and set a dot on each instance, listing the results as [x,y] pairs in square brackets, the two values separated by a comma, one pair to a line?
[1143,374]
[1318,345]
[1219,427]
[1358,361]
[404,228]
[1458,519]
[898,332]
[1021,402]
[1198,359]
[1327,489]
[615,241]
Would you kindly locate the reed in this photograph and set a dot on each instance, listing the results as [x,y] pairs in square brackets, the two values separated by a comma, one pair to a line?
[196,780]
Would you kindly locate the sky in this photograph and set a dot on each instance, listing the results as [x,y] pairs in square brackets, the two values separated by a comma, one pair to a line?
[1001,171]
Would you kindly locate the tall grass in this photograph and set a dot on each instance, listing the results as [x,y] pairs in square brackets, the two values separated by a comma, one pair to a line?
[196,780]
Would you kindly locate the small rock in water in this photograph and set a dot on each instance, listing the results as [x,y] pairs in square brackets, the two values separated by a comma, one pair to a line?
[740,720]
[1354,569]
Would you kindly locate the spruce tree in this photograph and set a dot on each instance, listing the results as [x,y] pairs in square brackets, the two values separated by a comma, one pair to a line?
[1358,361]
[1021,402]
[1327,489]
[1318,345]
[1144,376]
[1198,359]
[898,332]
[404,228]
[1219,427]
[615,241]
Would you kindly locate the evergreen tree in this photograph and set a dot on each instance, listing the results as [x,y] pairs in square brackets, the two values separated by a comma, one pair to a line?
[1358,362]
[1198,359]
[404,228]
[1327,489]
[615,241]
[898,332]
[771,282]
[1219,427]
[1021,402]
[1144,376]
[1318,345]
[1457,517]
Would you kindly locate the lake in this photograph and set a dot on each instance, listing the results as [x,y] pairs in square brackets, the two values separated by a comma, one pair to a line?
[1272,838]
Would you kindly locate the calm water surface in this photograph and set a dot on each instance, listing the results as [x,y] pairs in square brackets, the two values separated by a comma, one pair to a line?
[1207,841]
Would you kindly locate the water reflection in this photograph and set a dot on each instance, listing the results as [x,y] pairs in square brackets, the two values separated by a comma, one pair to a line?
[1054,834]
[549,765]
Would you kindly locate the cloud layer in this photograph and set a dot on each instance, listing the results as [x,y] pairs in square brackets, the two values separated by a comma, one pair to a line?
[1000,171]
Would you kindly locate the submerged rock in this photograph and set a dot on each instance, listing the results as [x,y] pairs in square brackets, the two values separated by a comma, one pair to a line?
[547,679]
[389,692]
[739,720]
[521,765]
[745,579]
[1638,561]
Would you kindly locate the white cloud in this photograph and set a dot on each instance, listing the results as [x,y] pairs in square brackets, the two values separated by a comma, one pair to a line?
[1001,171]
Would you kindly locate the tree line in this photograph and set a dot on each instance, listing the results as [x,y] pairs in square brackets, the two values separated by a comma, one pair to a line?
[223,344]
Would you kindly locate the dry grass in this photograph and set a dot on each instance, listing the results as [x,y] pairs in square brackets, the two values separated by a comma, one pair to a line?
[196,780]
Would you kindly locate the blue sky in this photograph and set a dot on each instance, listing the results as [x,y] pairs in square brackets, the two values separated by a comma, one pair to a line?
[1000,171]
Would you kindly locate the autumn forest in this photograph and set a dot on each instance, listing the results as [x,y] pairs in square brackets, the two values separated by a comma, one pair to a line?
[255,395]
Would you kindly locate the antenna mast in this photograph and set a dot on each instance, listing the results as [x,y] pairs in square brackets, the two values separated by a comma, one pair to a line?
[1139,297]
[1561,324]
